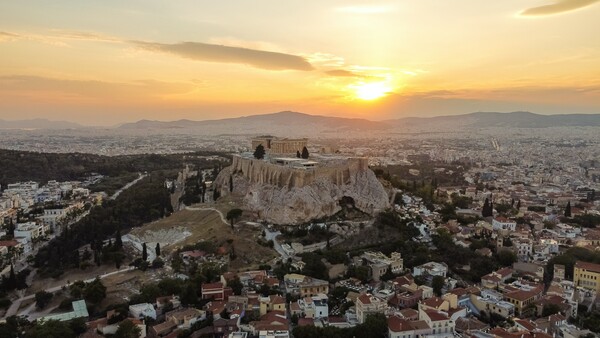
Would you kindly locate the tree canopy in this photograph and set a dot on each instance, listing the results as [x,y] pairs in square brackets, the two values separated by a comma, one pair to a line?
[304,153]
[233,215]
[259,152]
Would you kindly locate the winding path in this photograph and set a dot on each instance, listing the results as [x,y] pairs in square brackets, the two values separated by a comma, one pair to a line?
[213,209]
[12,310]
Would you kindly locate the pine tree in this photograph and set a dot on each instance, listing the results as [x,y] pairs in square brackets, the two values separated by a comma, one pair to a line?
[568,209]
[519,204]
[12,279]
[118,240]
[298,155]
[259,152]
[230,183]
[157,249]
[144,252]
[304,153]
[487,210]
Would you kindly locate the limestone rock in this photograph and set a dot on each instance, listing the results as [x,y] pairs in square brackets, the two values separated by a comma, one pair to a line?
[285,195]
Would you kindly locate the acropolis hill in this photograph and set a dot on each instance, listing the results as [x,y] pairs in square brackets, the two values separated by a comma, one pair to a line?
[283,191]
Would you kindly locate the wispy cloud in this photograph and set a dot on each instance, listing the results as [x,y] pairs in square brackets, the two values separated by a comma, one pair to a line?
[85,36]
[219,53]
[559,6]
[342,73]
[200,51]
[365,9]
[89,89]
[6,36]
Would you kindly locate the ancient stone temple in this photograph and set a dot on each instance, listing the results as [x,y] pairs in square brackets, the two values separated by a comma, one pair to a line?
[275,145]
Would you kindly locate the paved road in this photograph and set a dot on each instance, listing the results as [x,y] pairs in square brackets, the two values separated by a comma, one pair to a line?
[269,235]
[17,303]
[272,236]
[127,186]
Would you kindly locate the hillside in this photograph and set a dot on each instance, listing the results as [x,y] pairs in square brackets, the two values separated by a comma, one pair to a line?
[299,124]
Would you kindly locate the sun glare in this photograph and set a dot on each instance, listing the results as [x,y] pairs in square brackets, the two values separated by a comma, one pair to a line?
[371,90]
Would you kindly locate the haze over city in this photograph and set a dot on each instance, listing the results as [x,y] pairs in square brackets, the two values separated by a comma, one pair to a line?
[112,62]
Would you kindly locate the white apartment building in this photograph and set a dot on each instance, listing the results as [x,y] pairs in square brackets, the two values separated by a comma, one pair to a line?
[31,230]
[502,223]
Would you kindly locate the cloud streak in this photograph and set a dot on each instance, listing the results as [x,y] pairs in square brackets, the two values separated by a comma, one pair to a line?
[6,36]
[342,73]
[218,53]
[191,50]
[558,7]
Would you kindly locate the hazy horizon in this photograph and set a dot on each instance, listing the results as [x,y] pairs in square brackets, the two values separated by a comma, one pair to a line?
[271,113]
[376,60]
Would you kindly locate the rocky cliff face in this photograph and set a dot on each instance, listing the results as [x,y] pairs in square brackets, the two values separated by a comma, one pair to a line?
[285,195]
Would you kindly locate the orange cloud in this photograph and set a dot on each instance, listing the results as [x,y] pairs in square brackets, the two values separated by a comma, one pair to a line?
[559,6]
[219,53]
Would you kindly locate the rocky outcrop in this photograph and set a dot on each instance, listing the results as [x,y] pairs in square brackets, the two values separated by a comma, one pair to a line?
[286,195]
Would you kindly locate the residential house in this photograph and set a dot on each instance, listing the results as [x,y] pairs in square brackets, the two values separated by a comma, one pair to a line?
[367,304]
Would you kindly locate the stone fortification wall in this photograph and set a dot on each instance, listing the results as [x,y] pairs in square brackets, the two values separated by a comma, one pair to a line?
[262,172]
[287,195]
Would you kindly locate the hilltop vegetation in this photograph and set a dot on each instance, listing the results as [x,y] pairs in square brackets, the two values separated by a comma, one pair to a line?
[144,202]
[25,165]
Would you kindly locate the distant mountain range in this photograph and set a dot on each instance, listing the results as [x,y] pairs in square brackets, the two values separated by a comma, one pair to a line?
[38,124]
[504,120]
[295,124]
[283,123]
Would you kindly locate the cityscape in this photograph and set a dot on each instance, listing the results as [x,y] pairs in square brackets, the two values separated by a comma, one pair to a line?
[378,169]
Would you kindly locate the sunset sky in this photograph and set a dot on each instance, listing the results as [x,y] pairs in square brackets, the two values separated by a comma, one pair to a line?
[119,61]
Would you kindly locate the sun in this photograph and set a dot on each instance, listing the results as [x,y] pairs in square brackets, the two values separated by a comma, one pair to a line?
[371,90]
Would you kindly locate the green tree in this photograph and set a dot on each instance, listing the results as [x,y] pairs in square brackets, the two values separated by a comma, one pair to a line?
[42,298]
[487,210]
[118,240]
[157,249]
[568,209]
[233,215]
[506,257]
[305,153]
[437,284]
[298,155]
[259,152]
[189,296]
[236,285]
[144,252]
[550,309]
[127,329]
[94,292]
[230,183]
[51,329]
[11,282]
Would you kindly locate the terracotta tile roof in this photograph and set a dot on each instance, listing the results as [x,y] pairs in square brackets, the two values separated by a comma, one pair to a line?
[434,302]
[588,266]
[364,298]
[9,243]
[306,322]
[459,291]
[525,323]
[217,285]
[336,319]
[436,315]
[397,324]
[409,313]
